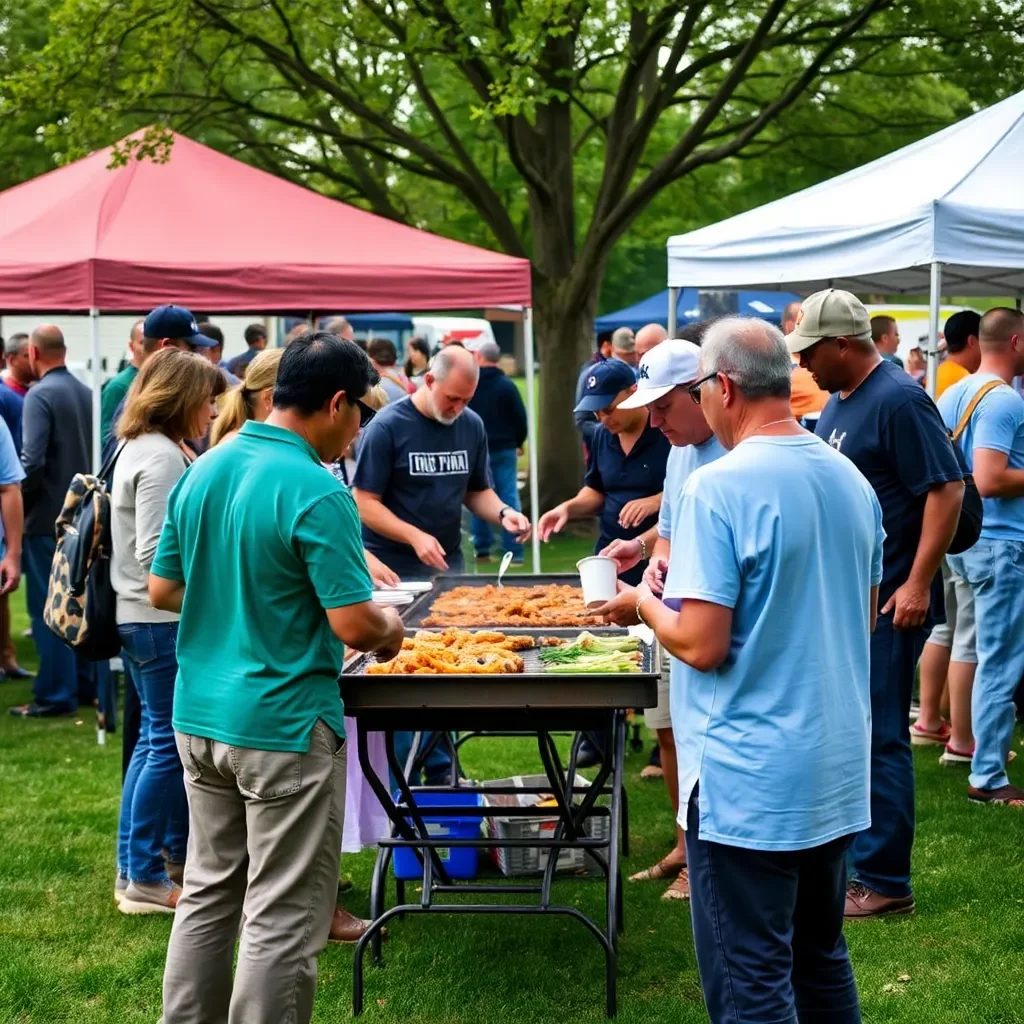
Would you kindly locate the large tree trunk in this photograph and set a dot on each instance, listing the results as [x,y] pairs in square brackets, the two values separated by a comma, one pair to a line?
[564,341]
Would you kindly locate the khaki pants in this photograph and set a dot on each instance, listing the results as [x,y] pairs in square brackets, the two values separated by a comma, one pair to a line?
[264,839]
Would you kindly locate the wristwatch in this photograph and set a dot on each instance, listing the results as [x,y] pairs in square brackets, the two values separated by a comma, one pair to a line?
[501,514]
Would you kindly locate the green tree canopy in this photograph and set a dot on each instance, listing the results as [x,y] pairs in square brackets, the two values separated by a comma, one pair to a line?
[546,128]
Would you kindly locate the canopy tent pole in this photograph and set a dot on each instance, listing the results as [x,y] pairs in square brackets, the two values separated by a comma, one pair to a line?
[934,300]
[97,387]
[673,301]
[531,440]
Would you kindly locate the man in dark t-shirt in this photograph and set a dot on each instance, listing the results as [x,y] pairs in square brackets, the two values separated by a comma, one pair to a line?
[420,461]
[885,423]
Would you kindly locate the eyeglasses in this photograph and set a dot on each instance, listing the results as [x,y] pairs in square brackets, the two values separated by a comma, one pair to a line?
[365,412]
[694,388]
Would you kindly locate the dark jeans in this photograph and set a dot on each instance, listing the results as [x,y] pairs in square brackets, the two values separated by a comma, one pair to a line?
[768,932]
[63,679]
[154,812]
[505,470]
[880,857]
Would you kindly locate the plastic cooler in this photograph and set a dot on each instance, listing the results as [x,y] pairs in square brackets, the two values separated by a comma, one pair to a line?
[520,860]
[460,862]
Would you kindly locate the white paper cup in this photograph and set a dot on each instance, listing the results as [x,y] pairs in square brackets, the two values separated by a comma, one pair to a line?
[598,574]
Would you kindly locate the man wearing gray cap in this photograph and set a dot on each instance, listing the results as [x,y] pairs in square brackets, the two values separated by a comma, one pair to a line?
[885,423]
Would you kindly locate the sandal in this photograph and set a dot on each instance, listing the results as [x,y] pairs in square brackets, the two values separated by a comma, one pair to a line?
[1008,796]
[679,889]
[663,869]
[922,737]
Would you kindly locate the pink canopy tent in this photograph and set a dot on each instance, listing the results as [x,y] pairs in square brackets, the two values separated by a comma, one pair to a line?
[209,232]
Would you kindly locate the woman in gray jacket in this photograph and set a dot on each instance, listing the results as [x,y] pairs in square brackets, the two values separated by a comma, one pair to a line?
[171,400]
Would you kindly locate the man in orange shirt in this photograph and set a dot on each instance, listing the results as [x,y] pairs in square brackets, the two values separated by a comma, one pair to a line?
[806,399]
[963,353]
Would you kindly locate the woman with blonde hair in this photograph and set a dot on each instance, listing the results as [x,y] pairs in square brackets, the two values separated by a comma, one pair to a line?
[171,401]
[253,399]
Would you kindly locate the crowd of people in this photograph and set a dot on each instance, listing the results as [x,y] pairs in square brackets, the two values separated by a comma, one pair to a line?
[744,478]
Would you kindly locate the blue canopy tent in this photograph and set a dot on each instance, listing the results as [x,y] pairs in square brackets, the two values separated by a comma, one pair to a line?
[693,305]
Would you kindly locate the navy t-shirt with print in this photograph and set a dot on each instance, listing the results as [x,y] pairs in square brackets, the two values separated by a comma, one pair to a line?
[892,432]
[422,471]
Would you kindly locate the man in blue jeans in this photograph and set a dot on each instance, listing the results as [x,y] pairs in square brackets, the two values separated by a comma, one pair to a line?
[56,433]
[498,403]
[886,424]
[993,444]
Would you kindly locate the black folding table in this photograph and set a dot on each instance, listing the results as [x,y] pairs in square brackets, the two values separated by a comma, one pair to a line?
[531,702]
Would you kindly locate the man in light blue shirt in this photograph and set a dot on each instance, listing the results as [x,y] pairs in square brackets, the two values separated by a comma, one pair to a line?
[665,374]
[777,556]
[993,444]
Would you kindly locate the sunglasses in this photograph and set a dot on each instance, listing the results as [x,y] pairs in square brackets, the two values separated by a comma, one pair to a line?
[694,388]
[365,412]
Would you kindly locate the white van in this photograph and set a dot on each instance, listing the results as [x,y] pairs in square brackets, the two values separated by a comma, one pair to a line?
[436,330]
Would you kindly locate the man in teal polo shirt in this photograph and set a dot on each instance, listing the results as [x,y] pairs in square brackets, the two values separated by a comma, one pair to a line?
[261,554]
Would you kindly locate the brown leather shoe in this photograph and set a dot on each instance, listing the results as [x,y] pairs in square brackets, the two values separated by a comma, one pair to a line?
[175,872]
[346,927]
[1008,796]
[862,902]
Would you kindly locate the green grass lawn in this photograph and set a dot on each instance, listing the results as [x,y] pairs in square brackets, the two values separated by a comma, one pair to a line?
[68,957]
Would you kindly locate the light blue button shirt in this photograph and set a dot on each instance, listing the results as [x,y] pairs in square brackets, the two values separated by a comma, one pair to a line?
[787,533]
[11,472]
[997,423]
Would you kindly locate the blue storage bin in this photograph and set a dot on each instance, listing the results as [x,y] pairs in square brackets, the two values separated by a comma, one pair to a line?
[459,862]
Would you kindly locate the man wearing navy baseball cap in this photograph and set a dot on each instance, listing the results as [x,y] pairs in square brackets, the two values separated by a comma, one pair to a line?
[174,325]
[165,327]
[626,467]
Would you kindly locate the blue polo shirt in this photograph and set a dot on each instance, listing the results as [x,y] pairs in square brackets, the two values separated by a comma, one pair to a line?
[998,424]
[786,533]
[621,477]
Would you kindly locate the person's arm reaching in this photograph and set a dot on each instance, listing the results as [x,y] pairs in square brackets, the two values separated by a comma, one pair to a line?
[588,502]
[382,575]
[374,514]
[488,506]
[327,536]
[628,553]
[700,633]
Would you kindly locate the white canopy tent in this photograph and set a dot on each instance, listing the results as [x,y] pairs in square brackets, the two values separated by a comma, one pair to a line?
[943,214]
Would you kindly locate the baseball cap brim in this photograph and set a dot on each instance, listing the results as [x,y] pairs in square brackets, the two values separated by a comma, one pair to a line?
[201,341]
[640,398]
[594,403]
[797,342]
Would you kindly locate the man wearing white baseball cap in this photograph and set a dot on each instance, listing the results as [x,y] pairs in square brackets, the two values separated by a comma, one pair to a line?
[663,379]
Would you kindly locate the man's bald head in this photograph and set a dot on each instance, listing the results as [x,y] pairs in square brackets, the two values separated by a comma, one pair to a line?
[49,339]
[998,328]
[648,337]
[789,315]
[454,360]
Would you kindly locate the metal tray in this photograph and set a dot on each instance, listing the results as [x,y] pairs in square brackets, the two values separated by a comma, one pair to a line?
[531,689]
[414,614]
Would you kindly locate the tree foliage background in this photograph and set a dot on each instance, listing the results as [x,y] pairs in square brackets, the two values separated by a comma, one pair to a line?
[579,133]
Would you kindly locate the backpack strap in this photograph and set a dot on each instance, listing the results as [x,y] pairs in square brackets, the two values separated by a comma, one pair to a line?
[972,405]
[108,467]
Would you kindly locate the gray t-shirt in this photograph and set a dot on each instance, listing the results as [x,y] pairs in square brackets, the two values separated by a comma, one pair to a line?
[145,473]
